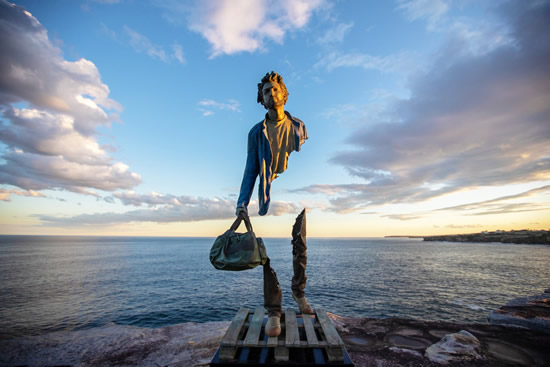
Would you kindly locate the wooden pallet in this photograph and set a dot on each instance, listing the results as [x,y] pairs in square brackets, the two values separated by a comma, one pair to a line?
[311,339]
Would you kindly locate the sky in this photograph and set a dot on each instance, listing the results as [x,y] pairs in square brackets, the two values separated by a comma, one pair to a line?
[130,118]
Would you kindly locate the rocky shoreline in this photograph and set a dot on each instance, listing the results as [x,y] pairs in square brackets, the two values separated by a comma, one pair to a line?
[539,237]
[388,342]
[396,342]
[531,312]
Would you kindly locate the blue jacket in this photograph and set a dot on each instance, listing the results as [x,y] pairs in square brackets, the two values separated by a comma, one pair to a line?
[258,162]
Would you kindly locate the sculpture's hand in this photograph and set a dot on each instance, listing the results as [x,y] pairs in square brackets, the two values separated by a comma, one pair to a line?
[240,210]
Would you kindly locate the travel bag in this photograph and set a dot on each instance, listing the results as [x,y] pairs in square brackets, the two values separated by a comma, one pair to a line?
[238,251]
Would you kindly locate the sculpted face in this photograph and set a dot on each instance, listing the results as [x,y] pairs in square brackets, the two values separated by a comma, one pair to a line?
[273,95]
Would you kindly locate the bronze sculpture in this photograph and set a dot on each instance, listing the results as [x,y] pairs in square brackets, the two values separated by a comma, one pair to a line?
[270,142]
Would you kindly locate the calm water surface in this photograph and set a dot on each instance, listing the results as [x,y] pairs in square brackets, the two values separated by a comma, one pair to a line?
[69,283]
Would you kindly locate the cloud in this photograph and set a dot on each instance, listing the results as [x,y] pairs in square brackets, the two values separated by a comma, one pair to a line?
[330,190]
[5,194]
[142,44]
[473,120]
[108,32]
[233,26]
[511,208]
[178,53]
[165,209]
[391,63]
[50,134]
[39,172]
[335,34]
[155,199]
[482,204]
[402,217]
[502,205]
[458,226]
[430,10]
[355,115]
[50,111]
[278,208]
[231,105]
[168,214]
[476,34]
[107,1]
[33,70]
[152,199]
[346,198]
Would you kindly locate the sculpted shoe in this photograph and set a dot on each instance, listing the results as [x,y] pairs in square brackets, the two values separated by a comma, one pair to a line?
[303,304]
[273,326]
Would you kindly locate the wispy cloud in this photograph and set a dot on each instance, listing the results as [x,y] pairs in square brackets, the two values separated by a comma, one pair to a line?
[501,205]
[391,63]
[474,120]
[335,34]
[107,1]
[232,26]
[165,208]
[51,109]
[209,104]
[154,199]
[178,53]
[462,226]
[209,209]
[432,11]
[355,115]
[142,44]
[473,35]
[511,208]
[506,204]
[5,194]
[402,217]
[483,204]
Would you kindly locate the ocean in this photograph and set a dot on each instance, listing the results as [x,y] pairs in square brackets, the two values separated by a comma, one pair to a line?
[51,283]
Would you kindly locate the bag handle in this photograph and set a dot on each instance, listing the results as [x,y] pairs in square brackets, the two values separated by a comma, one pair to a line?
[237,222]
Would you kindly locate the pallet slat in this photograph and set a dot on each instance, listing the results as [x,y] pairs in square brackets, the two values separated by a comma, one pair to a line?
[281,354]
[253,334]
[310,331]
[292,335]
[331,334]
[227,344]
[272,341]
[232,333]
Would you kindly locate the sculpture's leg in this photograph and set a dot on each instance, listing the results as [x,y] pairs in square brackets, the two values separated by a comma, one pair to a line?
[299,252]
[273,297]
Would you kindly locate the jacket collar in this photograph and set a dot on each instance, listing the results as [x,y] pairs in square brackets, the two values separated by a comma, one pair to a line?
[288,115]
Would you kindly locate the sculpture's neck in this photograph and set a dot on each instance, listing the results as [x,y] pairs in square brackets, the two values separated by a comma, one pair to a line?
[276,114]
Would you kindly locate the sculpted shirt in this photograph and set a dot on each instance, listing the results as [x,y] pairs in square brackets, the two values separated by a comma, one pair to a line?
[281,139]
[259,161]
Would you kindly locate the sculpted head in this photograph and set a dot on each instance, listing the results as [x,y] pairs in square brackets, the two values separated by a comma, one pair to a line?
[272,91]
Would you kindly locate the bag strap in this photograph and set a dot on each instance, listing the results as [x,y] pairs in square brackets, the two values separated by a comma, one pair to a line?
[237,222]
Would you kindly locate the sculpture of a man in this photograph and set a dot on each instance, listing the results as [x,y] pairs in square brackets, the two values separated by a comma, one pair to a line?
[270,142]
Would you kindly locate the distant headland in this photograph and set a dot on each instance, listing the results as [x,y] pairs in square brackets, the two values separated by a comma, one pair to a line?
[523,236]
